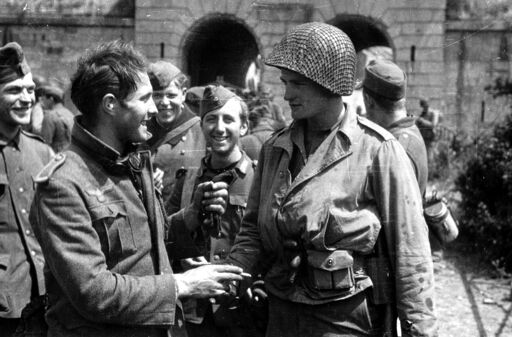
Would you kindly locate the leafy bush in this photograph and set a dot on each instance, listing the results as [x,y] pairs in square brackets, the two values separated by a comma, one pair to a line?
[486,189]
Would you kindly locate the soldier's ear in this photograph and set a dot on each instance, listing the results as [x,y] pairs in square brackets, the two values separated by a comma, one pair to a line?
[244,128]
[368,100]
[109,104]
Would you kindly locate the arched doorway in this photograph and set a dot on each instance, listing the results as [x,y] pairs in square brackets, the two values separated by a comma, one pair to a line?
[219,47]
[371,41]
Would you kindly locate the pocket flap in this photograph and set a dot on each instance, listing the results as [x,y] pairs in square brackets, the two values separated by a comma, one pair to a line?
[330,260]
[110,210]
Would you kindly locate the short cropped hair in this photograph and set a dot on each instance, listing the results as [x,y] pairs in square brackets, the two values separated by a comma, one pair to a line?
[111,67]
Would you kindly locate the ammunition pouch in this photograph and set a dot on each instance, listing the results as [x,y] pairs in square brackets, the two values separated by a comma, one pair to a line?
[331,270]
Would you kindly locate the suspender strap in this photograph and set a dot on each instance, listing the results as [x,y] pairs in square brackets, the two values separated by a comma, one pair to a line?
[176,132]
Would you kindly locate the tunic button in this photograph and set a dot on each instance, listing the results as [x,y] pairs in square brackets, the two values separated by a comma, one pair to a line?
[21,190]
[216,257]
[184,138]
[24,211]
[281,174]
[27,232]
[33,253]
[182,152]
[330,262]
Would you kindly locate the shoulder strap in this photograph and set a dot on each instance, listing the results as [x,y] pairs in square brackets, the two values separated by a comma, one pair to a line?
[408,132]
[176,132]
[47,171]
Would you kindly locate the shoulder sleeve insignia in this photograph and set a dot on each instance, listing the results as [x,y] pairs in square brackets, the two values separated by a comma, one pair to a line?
[45,174]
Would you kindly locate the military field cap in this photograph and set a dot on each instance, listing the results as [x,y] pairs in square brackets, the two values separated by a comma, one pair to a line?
[162,73]
[214,97]
[12,63]
[52,90]
[320,52]
[193,97]
[384,78]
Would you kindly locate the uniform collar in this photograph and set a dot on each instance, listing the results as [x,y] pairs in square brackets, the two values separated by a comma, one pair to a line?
[347,128]
[402,123]
[96,148]
[15,141]
[241,167]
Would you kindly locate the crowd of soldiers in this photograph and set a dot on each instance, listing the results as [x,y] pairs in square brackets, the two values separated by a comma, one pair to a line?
[178,211]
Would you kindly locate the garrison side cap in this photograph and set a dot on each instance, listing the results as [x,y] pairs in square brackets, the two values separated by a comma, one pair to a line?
[161,74]
[384,78]
[193,98]
[13,64]
[214,97]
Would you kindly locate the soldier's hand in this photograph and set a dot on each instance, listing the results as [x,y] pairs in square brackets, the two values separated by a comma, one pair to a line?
[214,197]
[209,197]
[207,281]
[257,294]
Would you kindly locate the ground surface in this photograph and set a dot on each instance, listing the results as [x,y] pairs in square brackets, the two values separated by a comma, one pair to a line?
[473,300]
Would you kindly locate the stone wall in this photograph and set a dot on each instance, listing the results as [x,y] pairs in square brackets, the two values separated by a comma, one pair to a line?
[161,27]
[476,54]
[55,33]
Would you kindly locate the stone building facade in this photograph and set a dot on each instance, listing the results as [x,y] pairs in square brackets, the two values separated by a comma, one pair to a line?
[223,39]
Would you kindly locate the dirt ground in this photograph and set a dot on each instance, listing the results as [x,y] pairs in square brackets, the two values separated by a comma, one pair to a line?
[473,300]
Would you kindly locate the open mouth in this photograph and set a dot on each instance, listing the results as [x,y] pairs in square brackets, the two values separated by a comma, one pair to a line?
[219,139]
[21,111]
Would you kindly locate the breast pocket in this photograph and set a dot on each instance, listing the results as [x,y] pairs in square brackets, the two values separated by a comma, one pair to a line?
[114,229]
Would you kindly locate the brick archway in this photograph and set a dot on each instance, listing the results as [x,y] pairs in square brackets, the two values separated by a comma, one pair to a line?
[364,31]
[219,45]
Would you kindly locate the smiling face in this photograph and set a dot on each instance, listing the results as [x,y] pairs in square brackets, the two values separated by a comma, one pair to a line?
[169,103]
[307,99]
[16,100]
[223,128]
[134,112]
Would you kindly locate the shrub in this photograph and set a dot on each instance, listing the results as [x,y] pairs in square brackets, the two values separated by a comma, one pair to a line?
[486,190]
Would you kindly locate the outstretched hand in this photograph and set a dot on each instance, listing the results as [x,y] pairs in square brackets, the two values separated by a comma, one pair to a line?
[207,281]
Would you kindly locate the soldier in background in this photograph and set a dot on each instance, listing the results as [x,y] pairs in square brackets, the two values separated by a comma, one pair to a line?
[177,142]
[427,122]
[223,120]
[23,156]
[384,89]
[57,119]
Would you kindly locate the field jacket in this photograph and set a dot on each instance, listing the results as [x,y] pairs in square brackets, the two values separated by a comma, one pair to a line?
[357,185]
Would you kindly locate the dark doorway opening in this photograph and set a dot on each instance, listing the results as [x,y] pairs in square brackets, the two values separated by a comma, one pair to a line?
[363,31]
[219,48]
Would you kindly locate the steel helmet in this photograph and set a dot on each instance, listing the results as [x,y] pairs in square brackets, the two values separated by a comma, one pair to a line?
[320,52]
